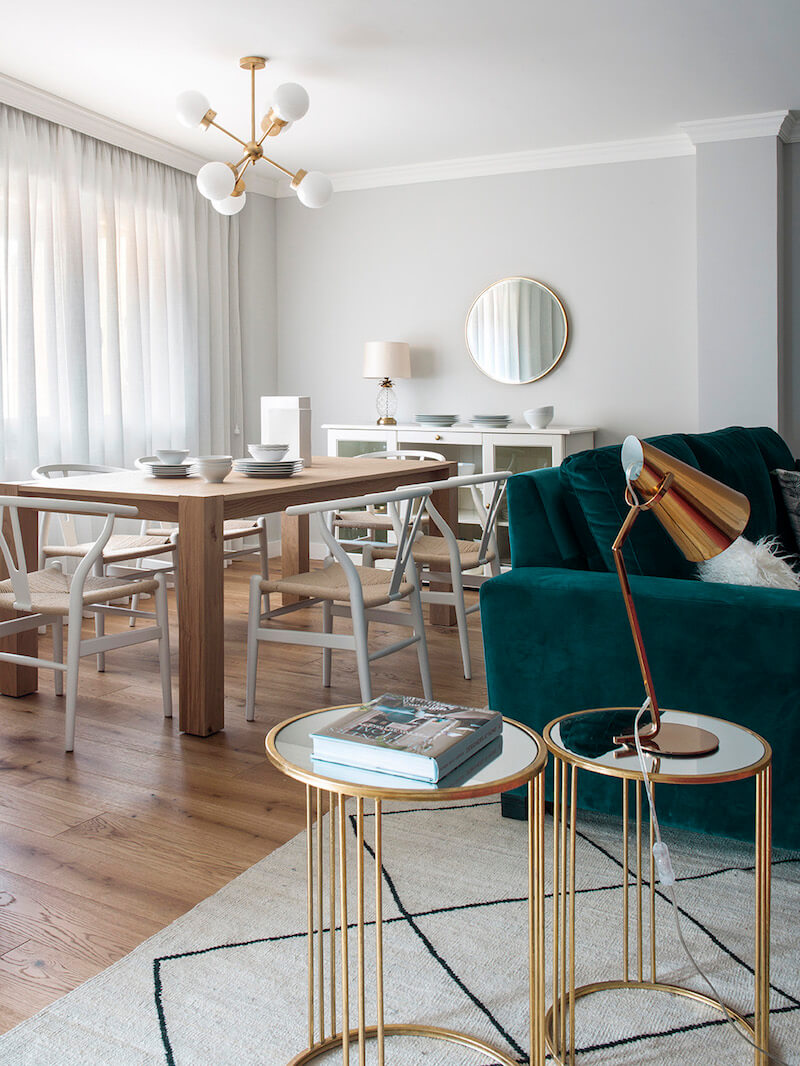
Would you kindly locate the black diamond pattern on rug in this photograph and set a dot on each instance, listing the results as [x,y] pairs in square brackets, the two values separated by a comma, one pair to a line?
[450,940]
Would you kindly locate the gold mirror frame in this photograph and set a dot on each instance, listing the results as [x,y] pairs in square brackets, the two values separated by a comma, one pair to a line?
[556,360]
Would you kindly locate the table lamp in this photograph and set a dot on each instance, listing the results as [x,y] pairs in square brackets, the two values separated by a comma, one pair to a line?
[386,360]
[703,517]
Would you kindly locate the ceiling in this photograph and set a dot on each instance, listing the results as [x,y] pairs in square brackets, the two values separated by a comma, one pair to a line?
[422,81]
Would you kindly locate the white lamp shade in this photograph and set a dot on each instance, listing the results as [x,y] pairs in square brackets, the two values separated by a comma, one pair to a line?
[231,205]
[215,181]
[387,359]
[191,108]
[290,102]
[315,190]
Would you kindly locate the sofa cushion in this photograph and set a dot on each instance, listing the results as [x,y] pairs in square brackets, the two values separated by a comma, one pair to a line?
[594,484]
[539,526]
[733,457]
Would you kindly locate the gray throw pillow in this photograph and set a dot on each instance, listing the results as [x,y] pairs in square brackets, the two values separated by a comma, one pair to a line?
[789,481]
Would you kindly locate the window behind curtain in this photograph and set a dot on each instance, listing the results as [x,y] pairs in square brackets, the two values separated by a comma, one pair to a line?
[119,305]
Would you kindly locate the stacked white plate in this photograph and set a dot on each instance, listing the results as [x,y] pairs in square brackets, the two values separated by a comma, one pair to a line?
[157,469]
[436,420]
[491,421]
[255,468]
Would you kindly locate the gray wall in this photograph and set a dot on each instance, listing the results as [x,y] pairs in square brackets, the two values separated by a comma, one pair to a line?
[738,281]
[789,413]
[257,291]
[616,242]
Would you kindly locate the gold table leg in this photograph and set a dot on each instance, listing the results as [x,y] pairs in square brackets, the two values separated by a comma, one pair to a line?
[343,1037]
[565,994]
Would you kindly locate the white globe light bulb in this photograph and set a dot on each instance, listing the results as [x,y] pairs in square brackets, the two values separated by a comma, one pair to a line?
[215,181]
[231,205]
[191,108]
[290,102]
[315,190]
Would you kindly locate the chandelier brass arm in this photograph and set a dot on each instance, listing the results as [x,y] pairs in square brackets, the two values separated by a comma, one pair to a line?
[223,183]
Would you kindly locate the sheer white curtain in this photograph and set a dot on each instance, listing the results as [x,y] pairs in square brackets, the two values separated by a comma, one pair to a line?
[119,304]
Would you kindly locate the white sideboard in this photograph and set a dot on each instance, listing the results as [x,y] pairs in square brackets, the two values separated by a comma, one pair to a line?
[530,449]
[517,448]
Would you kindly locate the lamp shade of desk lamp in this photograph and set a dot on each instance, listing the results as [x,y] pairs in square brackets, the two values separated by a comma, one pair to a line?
[386,360]
[703,517]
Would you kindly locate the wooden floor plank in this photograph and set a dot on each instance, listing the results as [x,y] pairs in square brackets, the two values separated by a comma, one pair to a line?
[101,848]
[24,809]
[73,924]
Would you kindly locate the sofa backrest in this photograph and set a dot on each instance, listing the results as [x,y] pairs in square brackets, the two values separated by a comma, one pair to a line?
[569,517]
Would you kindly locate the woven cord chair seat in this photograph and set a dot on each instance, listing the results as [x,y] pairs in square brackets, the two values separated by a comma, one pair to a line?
[50,590]
[433,551]
[330,583]
[119,547]
[232,529]
[367,520]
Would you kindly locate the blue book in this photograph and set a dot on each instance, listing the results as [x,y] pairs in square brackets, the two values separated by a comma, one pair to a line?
[408,737]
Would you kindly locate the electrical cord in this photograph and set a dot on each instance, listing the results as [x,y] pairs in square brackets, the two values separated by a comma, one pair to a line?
[666,876]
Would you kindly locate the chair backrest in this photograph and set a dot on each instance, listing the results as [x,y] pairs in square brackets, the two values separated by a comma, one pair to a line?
[404,454]
[404,507]
[51,471]
[487,515]
[16,561]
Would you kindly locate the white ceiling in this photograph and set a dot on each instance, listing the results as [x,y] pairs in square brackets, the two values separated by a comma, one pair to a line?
[421,81]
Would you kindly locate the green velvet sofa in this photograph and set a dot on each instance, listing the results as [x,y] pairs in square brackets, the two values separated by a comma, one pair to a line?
[557,640]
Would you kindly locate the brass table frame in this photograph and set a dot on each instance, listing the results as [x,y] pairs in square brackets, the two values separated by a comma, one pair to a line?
[559,1021]
[326,1031]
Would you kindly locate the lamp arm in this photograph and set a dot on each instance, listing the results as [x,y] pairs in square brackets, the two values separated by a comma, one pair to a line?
[633,620]
[222,129]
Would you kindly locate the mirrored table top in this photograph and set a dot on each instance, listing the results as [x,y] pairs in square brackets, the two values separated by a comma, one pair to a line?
[514,758]
[585,740]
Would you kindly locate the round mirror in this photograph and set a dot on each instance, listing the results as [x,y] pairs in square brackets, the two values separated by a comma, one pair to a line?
[516,330]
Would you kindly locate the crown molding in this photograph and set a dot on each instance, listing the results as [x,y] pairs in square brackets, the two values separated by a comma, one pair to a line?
[580,155]
[65,113]
[782,124]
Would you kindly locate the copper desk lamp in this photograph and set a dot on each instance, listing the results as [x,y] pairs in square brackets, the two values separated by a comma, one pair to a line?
[703,517]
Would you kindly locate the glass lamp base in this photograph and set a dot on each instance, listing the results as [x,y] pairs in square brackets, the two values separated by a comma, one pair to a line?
[386,403]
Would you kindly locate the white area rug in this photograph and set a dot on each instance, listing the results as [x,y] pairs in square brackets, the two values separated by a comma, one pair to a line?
[225,984]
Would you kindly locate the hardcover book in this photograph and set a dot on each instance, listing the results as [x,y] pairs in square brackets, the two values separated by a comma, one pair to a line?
[406,736]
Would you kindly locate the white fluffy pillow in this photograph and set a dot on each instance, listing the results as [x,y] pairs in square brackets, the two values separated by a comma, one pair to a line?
[745,563]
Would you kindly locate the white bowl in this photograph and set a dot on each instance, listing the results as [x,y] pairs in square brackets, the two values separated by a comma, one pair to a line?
[171,456]
[539,417]
[268,453]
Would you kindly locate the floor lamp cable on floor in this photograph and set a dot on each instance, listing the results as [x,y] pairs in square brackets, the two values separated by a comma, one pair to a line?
[666,877]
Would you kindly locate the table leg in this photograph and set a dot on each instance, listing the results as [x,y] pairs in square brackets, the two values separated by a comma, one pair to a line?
[446,503]
[15,679]
[294,549]
[763,887]
[201,615]
[536,949]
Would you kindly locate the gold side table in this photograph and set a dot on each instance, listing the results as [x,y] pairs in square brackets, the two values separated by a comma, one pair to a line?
[741,754]
[521,761]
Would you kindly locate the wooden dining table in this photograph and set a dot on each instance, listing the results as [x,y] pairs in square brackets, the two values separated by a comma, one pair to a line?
[200,509]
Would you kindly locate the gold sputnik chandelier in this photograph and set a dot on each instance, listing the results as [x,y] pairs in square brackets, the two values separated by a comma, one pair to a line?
[223,183]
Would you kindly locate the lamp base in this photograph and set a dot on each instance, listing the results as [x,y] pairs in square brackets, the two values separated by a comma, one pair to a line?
[386,422]
[680,741]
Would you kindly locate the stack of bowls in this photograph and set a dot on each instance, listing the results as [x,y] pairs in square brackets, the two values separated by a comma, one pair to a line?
[213,468]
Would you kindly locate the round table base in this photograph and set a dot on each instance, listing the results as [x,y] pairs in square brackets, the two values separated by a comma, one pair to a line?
[611,986]
[429,1031]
